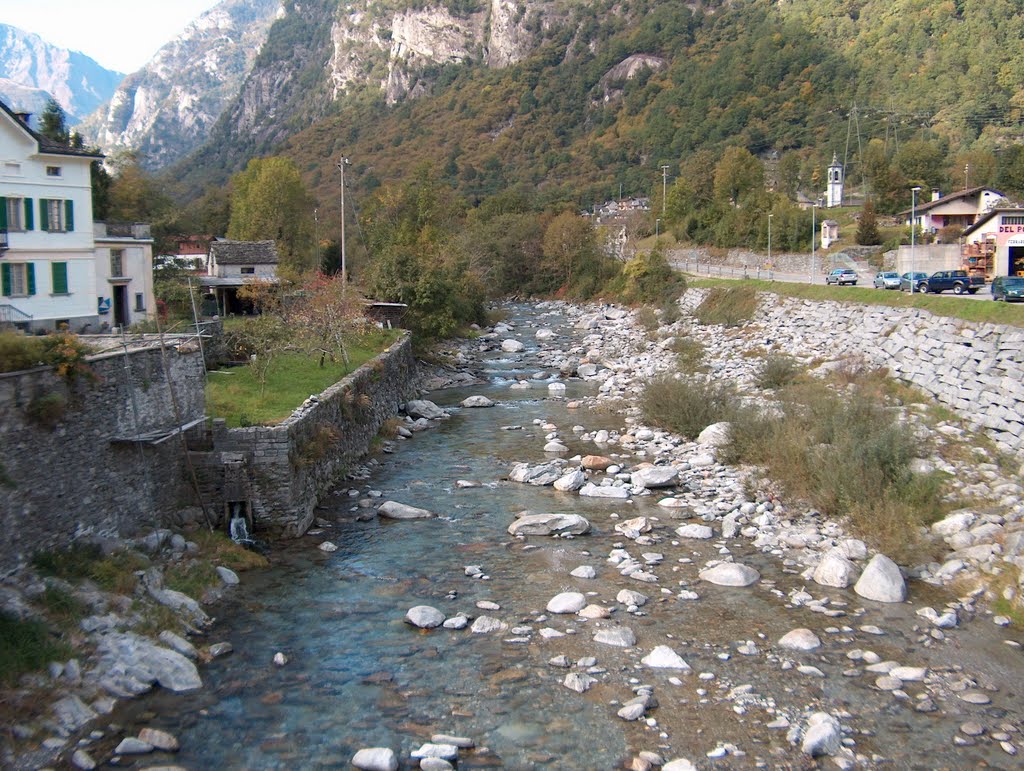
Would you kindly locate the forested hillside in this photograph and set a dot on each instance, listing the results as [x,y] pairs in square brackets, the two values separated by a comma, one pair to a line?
[614,90]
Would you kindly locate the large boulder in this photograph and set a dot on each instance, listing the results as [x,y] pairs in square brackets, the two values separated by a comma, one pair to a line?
[655,476]
[591,490]
[800,640]
[549,524]
[881,581]
[700,532]
[396,510]
[715,435]
[375,759]
[596,462]
[730,574]
[835,570]
[567,602]
[424,617]
[571,482]
[477,401]
[619,636]
[663,657]
[512,346]
[423,408]
[541,475]
[147,663]
[822,736]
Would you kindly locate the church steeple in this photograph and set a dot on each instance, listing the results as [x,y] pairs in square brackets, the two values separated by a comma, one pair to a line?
[834,191]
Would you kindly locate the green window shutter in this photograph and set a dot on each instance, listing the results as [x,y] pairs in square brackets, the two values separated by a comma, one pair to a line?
[30,271]
[28,214]
[69,216]
[60,277]
[44,214]
[5,275]
[3,213]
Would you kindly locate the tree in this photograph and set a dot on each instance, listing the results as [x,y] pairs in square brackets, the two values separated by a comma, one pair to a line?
[270,201]
[738,174]
[867,226]
[53,123]
[569,242]
[921,162]
[326,316]
[1011,171]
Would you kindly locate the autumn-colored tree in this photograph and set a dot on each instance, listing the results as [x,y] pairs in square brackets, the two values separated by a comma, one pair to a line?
[737,175]
[867,226]
[569,242]
[270,201]
[326,315]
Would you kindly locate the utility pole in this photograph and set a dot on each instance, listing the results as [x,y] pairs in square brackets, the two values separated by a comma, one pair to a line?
[814,239]
[344,273]
[770,239]
[316,235]
[913,233]
[664,188]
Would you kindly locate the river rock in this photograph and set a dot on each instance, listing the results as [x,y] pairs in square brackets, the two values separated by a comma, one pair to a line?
[424,408]
[587,369]
[477,401]
[701,532]
[822,736]
[715,435]
[555,446]
[549,524]
[396,510]
[432,750]
[881,581]
[591,490]
[375,759]
[486,625]
[512,346]
[584,571]
[629,597]
[800,640]
[596,462]
[730,574]
[180,644]
[424,617]
[663,657]
[634,527]
[571,482]
[679,764]
[619,636]
[544,333]
[227,576]
[566,602]
[121,652]
[540,475]
[594,611]
[161,740]
[72,714]
[955,523]
[654,477]
[578,681]
[435,764]
[132,746]
[835,570]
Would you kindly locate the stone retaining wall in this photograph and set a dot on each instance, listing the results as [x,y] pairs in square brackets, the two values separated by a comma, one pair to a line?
[283,470]
[78,472]
[973,368]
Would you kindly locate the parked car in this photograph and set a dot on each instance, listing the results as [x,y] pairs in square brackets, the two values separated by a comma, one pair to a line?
[919,278]
[957,280]
[842,276]
[1008,288]
[886,279]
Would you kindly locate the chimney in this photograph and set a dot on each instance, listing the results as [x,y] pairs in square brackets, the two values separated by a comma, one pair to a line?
[23,116]
[936,194]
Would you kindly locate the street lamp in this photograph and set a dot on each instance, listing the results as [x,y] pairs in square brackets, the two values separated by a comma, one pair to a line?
[341,166]
[770,239]
[913,232]
[814,238]
[657,230]
[664,188]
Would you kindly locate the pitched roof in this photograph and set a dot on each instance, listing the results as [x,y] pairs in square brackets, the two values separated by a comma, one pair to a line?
[244,252]
[47,145]
[926,205]
[987,216]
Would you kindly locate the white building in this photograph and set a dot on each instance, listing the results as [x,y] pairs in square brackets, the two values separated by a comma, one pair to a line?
[47,262]
[233,264]
[834,191]
[124,273]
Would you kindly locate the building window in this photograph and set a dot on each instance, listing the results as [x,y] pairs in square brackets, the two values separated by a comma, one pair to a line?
[18,279]
[53,171]
[1013,219]
[56,216]
[59,274]
[248,270]
[140,302]
[116,262]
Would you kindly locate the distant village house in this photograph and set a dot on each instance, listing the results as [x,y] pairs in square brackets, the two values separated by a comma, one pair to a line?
[231,265]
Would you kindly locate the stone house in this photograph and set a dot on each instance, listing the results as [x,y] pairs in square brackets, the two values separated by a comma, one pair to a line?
[231,265]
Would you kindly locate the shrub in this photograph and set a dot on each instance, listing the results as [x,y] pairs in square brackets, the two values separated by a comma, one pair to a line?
[18,352]
[687,405]
[730,306]
[648,278]
[647,318]
[777,371]
[65,609]
[46,410]
[689,353]
[26,646]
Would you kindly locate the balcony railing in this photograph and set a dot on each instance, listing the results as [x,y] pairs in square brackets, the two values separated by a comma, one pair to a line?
[11,315]
[137,230]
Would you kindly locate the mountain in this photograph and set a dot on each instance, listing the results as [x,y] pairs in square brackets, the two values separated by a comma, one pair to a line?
[166,109]
[32,71]
[575,98]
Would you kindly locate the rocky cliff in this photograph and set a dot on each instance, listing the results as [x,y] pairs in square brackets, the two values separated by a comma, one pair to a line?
[32,71]
[165,110]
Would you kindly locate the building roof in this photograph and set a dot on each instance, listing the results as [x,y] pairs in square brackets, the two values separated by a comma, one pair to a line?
[47,145]
[226,252]
[971,191]
[987,217]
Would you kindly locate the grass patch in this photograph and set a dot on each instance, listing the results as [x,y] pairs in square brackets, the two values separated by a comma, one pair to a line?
[63,607]
[193,578]
[940,305]
[234,394]
[687,405]
[690,353]
[778,371]
[86,562]
[845,455]
[26,646]
[221,550]
[728,305]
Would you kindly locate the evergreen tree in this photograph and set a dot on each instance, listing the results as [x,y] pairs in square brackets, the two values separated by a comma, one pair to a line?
[867,226]
[53,123]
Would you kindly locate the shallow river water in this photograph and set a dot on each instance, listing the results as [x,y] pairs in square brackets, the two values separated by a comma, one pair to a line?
[358,676]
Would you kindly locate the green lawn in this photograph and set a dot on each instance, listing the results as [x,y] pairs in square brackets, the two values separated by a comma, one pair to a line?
[234,393]
[941,305]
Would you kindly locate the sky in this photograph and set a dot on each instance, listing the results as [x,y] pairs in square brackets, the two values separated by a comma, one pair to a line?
[121,35]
